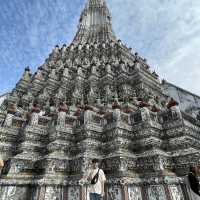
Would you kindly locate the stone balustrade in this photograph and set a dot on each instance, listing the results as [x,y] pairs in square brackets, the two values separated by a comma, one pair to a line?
[125,118]
[144,115]
[18,122]
[155,118]
[44,121]
[90,117]
[38,120]
[169,115]
[10,120]
[136,117]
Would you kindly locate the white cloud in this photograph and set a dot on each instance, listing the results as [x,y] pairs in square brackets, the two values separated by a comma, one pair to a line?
[166,32]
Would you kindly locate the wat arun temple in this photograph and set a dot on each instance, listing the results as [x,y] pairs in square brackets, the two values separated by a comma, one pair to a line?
[95,98]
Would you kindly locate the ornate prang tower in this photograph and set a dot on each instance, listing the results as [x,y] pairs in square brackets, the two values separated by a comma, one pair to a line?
[95,99]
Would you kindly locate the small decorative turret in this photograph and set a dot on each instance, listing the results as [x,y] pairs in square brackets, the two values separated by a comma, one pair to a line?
[108,69]
[24,82]
[116,104]
[60,95]
[39,75]
[27,74]
[56,52]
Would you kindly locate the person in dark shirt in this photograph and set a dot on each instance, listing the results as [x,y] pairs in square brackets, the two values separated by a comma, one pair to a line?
[193,180]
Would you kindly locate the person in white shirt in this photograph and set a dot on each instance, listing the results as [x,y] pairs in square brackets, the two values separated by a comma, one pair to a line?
[97,180]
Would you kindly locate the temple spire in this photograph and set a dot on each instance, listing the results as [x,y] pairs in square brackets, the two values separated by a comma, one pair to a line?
[95,23]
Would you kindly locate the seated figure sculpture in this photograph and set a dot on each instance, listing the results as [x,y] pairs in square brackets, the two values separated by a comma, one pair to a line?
[145,109]
[173,106]
[153,104]
[117,109]
[172,102]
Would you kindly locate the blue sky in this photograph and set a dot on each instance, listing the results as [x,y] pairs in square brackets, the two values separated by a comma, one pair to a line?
[166,32]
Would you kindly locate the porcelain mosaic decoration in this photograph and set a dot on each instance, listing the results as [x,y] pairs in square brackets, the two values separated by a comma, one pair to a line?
[95,98]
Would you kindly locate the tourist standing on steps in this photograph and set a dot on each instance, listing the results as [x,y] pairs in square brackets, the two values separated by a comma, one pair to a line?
[194,183]
[97,180]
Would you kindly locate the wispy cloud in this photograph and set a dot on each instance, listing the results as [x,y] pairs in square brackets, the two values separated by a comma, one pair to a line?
[166,32]
[29,30]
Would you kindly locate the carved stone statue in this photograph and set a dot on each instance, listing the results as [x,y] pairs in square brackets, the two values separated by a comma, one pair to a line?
[80,72]
[39,75]
[69,63]
[123,66]
[35,113]
[86,62]
[53,74]
[62,110]
[66,73]
[173,105]
[91,96]
[108,69]
[94,70]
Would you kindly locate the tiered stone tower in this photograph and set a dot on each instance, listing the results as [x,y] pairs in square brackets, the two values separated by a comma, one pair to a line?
[95,99]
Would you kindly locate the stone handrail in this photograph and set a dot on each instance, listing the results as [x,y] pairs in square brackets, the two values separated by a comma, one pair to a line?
[136,117]
[168,116]
[12,121]
[38,120]
[18,122]
[43,121]
[125,118]
[144,115]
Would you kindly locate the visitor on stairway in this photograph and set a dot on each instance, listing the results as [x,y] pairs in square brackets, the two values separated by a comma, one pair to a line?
[97,180]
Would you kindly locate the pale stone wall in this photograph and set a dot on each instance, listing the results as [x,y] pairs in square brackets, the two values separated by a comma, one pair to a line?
[186,99]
